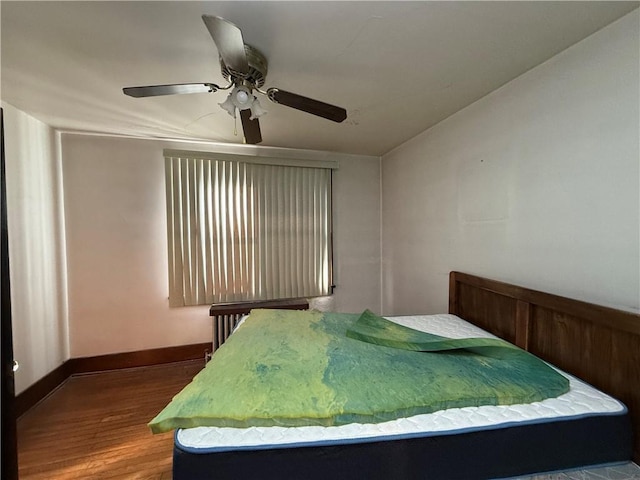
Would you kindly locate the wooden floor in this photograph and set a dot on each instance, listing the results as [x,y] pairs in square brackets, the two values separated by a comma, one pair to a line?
[94,426]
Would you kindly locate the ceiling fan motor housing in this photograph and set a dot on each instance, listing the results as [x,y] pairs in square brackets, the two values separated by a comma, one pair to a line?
[257,68]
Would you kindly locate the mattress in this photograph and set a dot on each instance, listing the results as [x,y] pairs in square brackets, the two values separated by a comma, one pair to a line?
[287,368]
[582,427]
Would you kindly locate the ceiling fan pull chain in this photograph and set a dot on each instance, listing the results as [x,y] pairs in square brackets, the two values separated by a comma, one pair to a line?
[235,125]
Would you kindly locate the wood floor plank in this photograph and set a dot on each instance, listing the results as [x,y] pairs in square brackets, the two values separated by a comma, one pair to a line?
[95,426]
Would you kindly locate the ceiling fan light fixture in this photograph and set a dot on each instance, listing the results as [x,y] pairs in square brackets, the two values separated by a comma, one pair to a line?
[241,97]
[229,106]
[256,109]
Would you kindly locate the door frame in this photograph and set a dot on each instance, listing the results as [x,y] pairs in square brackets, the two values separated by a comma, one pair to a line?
[9,468]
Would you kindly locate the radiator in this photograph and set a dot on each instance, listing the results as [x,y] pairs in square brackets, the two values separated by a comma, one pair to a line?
[223,326]
[227,315]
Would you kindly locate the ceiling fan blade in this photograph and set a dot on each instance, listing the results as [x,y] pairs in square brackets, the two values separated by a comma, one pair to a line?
[251,128]
[228,39]
[180,88]
[309,105]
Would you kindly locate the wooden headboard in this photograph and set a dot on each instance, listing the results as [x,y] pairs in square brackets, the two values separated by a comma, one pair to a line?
[600,345]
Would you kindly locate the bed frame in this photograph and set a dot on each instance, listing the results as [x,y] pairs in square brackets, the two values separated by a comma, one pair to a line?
[599,345]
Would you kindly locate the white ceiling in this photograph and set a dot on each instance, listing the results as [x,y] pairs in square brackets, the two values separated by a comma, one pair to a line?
[397,67]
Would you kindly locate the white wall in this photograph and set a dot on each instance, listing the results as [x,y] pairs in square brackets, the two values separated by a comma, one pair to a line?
[536,184]
[357,231]
[116,239]
[36,246]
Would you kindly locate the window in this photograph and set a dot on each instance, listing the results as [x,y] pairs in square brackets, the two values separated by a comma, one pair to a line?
[246,228]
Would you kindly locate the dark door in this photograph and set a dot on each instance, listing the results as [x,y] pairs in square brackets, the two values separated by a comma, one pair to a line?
[9,435]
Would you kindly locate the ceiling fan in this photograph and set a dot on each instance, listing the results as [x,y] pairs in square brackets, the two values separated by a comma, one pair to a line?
[245,68]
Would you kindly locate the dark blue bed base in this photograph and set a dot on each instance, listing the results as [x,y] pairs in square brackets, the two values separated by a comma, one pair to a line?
[495,453]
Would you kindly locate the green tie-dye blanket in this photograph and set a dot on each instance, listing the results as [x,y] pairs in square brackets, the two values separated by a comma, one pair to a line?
[294,368]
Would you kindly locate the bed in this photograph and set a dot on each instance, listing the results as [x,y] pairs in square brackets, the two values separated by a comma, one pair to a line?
[583,427]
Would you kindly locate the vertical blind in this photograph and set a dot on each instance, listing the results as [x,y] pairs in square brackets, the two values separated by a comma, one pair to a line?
[241,231]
